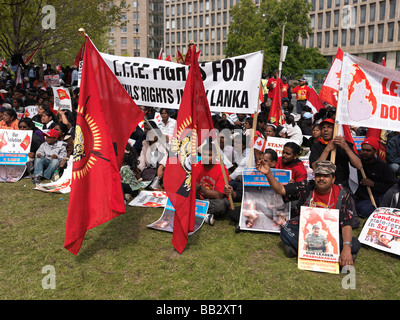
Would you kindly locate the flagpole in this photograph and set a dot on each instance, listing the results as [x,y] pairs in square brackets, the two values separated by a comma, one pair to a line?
[253,131]
[232,206]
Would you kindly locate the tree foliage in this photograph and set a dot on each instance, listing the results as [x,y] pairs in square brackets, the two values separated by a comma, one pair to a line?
[260,28]
[25,24]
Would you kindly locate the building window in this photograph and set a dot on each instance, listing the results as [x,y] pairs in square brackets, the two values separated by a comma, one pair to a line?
[319,39]
[320,21]
[336,18]
[361,35]
[335,38]
[328,20]
[372,9]
[371,31]
[124,41]
[382,10]
[363,14]
[380,33]
[311,45]
[390,32]
[352,37]
[392,9]
[327,39]
[344,37]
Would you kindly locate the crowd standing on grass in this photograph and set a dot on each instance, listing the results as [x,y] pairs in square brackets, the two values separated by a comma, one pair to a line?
[147,151]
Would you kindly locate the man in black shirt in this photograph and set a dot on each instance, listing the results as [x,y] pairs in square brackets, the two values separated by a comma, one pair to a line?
[321,150]
[379,178]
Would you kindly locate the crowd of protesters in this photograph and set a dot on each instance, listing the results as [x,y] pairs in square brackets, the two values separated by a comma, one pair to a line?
[146,154]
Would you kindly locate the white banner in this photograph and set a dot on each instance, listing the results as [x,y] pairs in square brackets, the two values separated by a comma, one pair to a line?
[369,95]
[382,230]
[232,85]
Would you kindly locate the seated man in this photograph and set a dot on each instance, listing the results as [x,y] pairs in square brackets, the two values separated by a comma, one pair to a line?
[48,156]
[290,161]
[379,178]
[210,182]
[393,154]
[322,150]
[321,192]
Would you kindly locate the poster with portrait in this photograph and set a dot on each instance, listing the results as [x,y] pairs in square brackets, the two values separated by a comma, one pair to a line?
[62,185]
[166,221]
[382,230]
[319,239]
[262,209]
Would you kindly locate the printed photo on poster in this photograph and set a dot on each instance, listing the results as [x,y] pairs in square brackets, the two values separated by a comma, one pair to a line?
[262,209]
[166,221]
[319,239]
[382,230]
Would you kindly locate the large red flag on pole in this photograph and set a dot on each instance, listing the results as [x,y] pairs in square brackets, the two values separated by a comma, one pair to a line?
[275,115]
[106,117]
[179,177]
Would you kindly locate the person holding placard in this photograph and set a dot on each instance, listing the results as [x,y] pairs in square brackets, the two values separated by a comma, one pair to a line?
[321,192]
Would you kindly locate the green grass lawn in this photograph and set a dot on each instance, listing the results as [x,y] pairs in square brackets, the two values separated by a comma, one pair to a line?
[124,260]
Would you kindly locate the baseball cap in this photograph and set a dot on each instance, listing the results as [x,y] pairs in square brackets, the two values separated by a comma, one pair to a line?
[53,133]
[303,79]
[327,120]
[325,167]
[372,141]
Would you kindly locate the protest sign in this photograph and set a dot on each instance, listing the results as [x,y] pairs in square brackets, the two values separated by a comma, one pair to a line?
[319,239]
[62,98]
[369,95]
[52,80]
[382,230]
[14,148]
[232,84]
[262,209]
[153,199]
[357,141]
[274,143]
[166,221]
[31,111]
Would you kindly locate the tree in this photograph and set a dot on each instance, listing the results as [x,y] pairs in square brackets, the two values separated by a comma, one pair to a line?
[25,24]
[261,29]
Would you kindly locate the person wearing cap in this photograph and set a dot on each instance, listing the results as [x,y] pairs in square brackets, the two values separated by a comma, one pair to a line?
[322,193]
[345,154]
[48,156]
[314,241]
[302,93]
[379,178]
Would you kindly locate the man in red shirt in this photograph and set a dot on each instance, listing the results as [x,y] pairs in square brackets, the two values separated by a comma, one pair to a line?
[271,84]
[210,182]
[302,92]
[290,161]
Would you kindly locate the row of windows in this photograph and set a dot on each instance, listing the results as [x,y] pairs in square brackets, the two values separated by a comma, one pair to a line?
[197,21]
[198,6]
[360,36]
[328,4]
[350,16]
[196,35]
[206,49]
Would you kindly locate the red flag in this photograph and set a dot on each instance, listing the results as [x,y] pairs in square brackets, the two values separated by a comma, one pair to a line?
[344,130]
[313,101]
[79,56]
[275,113]
[33,54]
[179,58]
[168,58]
[106,117]
[330,88]
[179,178]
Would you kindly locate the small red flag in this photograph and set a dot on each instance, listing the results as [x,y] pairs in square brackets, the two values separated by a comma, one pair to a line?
[313,101]
[330,88]
[179,178]
[106,117]
[79,56]
[179,57]
[33,54]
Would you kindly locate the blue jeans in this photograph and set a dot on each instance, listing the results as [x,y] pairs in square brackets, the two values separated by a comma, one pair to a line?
[45,168]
